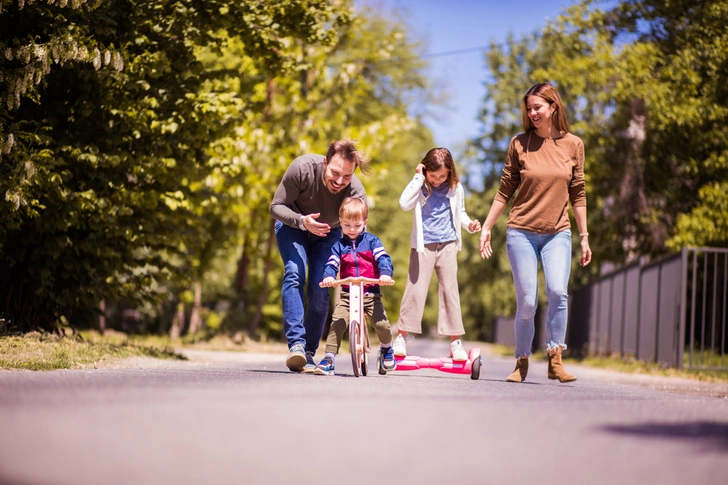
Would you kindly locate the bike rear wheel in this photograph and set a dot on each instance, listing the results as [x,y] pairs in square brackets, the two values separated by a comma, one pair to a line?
[364,350]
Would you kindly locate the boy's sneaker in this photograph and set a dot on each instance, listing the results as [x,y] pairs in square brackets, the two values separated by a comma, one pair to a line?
[458,351]
[325,368]
[296,358]
[388,360]
[400,346]
[310,364]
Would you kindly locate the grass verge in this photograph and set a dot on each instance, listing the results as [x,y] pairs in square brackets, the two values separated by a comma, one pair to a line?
[36,351]
[634,366]
[201,341]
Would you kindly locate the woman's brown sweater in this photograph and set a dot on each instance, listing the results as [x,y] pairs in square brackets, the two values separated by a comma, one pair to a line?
[548,173]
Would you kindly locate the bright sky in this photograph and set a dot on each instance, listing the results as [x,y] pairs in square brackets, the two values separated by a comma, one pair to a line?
[452,25]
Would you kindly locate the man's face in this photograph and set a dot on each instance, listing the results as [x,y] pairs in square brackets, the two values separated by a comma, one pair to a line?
[337,173]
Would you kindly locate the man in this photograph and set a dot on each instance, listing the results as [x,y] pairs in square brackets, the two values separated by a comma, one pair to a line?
[306,208]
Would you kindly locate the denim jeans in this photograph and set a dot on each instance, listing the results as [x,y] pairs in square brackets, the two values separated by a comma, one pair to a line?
[301,251]
[525,249]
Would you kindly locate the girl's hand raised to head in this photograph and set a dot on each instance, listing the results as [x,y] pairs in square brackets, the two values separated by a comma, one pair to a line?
[485,250]
[420,169]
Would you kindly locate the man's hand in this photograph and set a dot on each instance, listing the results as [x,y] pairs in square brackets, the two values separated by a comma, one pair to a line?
[314,227]
[328,281]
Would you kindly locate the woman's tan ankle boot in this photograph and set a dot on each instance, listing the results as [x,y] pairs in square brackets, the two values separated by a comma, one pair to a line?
[519,375]
[556,368]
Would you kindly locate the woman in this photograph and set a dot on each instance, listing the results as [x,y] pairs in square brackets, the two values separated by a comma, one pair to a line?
[546,165]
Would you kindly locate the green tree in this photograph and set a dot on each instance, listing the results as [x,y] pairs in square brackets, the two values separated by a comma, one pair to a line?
[645,86]
[359,88]
[106,127]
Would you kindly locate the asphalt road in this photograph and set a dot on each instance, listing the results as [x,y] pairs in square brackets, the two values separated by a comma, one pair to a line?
[244,419]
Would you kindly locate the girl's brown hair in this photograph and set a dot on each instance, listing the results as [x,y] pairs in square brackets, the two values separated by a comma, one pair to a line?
[353,209]
[551,95]
[435,160]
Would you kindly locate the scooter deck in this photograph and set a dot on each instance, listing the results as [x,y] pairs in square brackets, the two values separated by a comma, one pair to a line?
[444,364]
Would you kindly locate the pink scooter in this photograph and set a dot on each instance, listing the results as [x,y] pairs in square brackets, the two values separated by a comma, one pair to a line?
[444,364]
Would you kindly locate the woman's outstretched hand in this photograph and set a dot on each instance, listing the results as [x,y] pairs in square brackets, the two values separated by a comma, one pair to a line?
[586,254]
[485,250]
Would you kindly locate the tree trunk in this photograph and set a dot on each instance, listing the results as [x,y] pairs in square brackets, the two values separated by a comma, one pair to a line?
[264,286]
[195,319]
[102,317]
[178,322]
[241,277]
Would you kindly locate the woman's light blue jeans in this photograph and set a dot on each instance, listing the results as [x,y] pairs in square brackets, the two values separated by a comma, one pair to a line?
[525,249]
[301,251]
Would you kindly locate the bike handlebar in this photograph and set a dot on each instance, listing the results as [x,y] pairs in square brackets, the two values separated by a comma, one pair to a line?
[354,280]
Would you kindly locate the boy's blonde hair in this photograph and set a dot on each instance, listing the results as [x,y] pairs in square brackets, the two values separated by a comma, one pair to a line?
[353,209]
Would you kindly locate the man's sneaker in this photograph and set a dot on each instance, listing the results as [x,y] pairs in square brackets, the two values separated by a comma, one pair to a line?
[458,351]
[326,367]
[296,358]
[400,346]
[310,364]
[388,361]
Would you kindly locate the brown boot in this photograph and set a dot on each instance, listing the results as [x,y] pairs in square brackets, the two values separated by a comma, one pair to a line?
[519,375]
[556,368]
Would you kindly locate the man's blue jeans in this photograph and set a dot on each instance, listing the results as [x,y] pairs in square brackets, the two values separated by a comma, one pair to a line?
[304,252]
[525,249]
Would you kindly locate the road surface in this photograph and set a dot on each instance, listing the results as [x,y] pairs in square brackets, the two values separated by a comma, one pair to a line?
[236,418]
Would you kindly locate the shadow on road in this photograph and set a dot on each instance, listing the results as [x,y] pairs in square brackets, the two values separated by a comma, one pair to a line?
[444,376]
[713,433]
[287,372]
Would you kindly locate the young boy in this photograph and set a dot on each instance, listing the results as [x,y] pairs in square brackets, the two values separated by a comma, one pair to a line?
[358,253]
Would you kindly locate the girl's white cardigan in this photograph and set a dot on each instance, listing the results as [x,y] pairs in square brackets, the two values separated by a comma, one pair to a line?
[412,197]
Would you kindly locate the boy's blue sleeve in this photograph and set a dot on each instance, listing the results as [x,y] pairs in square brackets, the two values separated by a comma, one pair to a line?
[332,265]
[384,261]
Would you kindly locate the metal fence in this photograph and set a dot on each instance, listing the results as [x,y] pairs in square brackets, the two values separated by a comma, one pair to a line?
[705,300]
[657,311]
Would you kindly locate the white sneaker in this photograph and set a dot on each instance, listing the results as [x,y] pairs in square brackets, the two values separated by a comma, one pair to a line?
[458,351]
[400,346]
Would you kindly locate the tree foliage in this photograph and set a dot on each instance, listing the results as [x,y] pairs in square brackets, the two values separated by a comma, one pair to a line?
[357,88]
[142,143]
[645,87]
[106,125]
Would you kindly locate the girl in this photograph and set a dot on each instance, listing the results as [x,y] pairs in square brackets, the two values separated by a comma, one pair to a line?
[437,197]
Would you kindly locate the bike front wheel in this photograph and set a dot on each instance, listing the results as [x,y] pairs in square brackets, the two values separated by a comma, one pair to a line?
[353,342]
